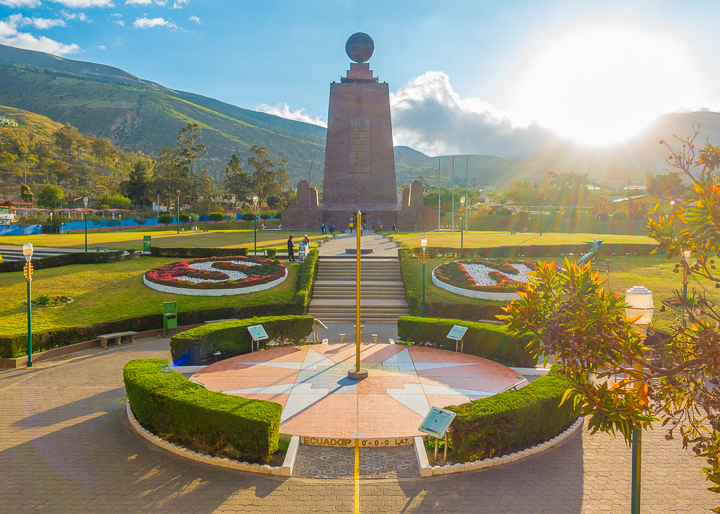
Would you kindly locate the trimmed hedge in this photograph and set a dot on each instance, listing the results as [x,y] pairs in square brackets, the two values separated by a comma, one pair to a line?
[513,420]
[482,339]
[197,253]
[230,338]
[168,404]
[57,261]
[306,279]
[534,250]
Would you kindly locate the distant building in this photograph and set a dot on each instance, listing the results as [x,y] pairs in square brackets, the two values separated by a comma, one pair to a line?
[7,122]
[633,206]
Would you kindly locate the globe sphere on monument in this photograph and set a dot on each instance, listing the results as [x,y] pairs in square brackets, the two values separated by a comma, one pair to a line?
[360,47]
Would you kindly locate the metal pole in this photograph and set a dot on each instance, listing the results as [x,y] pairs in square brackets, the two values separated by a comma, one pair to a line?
[357,295]
[86,229]
[29,315]
[452,187]
[438,194]
[462,246]
[177,212]
[446,445]
[255,219]
[636,465]
[423,272]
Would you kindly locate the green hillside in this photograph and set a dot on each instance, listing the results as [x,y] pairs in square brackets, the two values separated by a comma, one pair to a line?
[139,115]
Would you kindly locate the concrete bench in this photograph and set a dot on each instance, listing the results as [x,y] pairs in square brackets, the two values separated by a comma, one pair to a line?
[117,338]
[102,248]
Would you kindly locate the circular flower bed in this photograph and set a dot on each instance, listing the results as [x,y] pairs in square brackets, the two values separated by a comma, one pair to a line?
[45,300]
[489,279]
[216,276]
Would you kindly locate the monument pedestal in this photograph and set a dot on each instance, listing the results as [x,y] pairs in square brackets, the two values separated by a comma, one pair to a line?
[358,375]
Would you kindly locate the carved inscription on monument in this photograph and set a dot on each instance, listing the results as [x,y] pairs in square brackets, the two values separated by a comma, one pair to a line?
[359,146]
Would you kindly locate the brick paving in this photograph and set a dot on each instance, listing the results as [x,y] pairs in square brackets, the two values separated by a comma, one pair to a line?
[339,463]
[66,446]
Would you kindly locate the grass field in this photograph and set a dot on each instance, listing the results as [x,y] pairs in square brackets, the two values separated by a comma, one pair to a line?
[133,240]
[650,271]
[492,239]
[111,291]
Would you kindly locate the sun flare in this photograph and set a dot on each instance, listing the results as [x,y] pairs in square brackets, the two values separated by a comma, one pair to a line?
[605,85]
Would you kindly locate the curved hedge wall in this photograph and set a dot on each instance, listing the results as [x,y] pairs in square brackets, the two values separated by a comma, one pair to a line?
[231,338]
[482,339]
[306,279]
[494,426]
[197,253]
[165,402]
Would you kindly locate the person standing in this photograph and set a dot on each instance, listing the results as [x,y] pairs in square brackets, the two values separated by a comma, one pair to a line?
[350,226]
[394,229]
[332,229]
[323,231]
[291,249]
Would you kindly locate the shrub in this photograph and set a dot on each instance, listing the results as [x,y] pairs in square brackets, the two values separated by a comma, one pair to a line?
[264,216]
[306,279]
[216,216]
[494,426]
[117,202]
[620,216]
[279,215]
[184,218]
[226,339]
[504,212]
[603,216]
[482,339]
[166,219]
[197,253]
[271,252]
[169,404]
[248,216]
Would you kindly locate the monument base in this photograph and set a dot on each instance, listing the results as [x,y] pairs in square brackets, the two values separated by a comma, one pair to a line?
[358,375]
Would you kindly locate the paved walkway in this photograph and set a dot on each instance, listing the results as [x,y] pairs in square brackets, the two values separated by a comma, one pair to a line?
[66,446]
[319,400]
[380,246]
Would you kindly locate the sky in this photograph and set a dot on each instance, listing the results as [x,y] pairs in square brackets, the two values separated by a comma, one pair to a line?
[494,77]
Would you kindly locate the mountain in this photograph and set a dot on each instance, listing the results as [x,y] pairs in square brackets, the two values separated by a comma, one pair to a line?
[137,114]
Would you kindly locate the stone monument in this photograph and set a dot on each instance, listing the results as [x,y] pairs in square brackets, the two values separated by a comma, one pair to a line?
[359,157]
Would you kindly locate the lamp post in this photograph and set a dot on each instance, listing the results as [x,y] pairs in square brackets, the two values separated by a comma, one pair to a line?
[255,206]
[462,208]
[27,271]
[85,203]
[177,211]
[640,303]
[120,218]
[51,225]
[686,267]
[423,243]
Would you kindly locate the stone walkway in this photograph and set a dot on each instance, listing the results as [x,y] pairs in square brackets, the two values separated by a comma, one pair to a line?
[66,446]
[380,246]
[375,463]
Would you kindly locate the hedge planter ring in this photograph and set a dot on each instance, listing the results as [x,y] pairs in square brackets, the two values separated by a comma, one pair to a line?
[216,276]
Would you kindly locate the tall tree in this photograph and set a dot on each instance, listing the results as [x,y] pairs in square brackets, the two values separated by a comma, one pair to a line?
[50,196]
[26,195]
[140,181]
[238,182]
[68,138]
[188,152]
[270,179]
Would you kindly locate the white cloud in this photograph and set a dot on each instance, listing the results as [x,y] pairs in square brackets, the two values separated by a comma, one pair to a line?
[11,36]
[116,15]
[74,15]
[138,2]
[179,4]
[147,23]
[195,19]
[121,23]
[82,4]
[45,23]
[284,111]
[428,115]
[102,47]
[20,3]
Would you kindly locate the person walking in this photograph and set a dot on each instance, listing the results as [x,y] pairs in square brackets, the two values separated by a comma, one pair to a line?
[332,229]
[291,249]
[323,231]
[350,226]
[394,229]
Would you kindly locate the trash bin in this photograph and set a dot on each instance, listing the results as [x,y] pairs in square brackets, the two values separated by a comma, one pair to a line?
[169,317]
[146,244]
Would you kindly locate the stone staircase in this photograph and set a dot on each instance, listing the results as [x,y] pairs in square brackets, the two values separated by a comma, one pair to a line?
[381,289]
[14,253]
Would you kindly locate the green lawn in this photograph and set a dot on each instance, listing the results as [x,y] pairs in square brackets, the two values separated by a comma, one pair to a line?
[492,239]
[104,292]
[163,239]
[650,271]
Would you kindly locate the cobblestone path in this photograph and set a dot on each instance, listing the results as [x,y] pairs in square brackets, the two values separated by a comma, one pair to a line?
[330,462]
[66,446]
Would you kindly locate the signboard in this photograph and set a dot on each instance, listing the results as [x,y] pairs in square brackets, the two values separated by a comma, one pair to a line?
[257,332]
[302,251]
[437,422]
[363,443]
[457,333]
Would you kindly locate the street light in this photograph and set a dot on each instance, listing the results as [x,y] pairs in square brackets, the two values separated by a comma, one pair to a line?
[177,211]
[255,207]
[686,266]
[85,203]
[640,303]
[27,271]
[120,218]
[462,207]
[423,243]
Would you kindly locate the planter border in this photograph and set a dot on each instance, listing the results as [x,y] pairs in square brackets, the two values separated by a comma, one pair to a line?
[483,295]
[426,470]
[285,470]
[214,292]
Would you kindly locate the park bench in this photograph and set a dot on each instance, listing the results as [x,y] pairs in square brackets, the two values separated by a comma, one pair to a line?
[102,248]
[117,337]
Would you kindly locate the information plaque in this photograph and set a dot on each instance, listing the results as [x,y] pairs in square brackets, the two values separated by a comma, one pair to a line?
[457,333]
[257,332]
[437,422]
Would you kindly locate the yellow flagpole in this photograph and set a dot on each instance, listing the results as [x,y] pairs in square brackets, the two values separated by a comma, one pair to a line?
[358,226]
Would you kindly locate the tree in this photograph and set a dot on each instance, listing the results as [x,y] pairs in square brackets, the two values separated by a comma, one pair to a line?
[166,218]
[572,316]
[188,151]
[104,151]
[269,178]
[50,196]
[7,158]
[68,138]
[117,202]
[26,195]
[140,181]
[216,216]
[238,181]
[665,186]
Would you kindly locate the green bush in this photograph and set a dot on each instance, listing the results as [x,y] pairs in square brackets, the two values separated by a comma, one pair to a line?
[306,279]
[264,216]
[619,216]
[226,339]
[197,253]
[216,216]
[184,218]
[482,339]
[504,212]
[166,219]
[513,420]
[168,404]
[58,261]
[278,215]
[248,216]
[271,252]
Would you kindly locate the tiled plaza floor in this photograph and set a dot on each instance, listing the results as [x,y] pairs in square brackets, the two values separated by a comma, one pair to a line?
[66,446]
[319,399]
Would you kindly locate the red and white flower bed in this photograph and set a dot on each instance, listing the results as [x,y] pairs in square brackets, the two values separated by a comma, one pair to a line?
[487,279]
[216,276]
